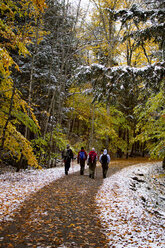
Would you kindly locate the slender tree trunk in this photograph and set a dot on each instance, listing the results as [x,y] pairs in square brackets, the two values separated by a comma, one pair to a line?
[73,124]
[30,93]
[163,163]
[143,149]
[143,47]
[31,74]
[127,154]
[107,137]
[119,151]
[92,126]
[49,112]
[9,117]
[51,136]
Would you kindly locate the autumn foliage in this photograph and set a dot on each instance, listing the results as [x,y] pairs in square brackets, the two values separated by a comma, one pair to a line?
[66,80]
[14,110]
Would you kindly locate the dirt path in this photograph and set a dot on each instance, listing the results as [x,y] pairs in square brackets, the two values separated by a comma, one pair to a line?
[62,214]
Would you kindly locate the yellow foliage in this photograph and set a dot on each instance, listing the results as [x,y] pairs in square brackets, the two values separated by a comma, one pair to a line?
[104,35]
[40,4]
[18,144]
[105,124]
[15,142]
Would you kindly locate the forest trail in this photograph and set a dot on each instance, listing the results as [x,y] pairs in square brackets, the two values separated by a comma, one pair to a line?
[61,214]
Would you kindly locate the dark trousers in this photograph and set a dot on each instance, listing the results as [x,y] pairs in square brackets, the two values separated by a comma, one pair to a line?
[105,169]
[92,167]
[82,166]
[67,166]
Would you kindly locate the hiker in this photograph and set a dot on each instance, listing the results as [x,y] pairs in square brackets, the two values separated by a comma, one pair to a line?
[104,160]
[92,158]
[67,156]
[82,156]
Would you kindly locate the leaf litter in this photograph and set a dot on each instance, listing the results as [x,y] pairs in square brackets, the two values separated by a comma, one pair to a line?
[15,187]
[127,208]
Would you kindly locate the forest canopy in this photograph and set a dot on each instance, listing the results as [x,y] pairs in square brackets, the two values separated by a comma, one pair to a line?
[88,81]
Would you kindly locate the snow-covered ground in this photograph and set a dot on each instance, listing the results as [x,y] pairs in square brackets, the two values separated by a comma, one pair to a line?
[15,187]
[132,207]
[131,202]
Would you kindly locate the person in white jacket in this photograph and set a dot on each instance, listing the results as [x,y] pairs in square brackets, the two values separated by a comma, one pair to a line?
[104,160]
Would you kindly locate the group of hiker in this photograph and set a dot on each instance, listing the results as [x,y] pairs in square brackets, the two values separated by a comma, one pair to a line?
[92,158]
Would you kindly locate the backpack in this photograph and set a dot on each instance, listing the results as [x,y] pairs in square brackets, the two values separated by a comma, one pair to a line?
[92,158]
[82,155]
[104,159]
[66,154]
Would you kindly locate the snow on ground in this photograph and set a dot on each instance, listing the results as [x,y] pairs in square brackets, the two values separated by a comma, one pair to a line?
[131,202]
[15,187]
[132,207]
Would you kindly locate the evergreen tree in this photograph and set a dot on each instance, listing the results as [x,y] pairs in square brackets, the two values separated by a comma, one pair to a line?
[121,85]
[49,67]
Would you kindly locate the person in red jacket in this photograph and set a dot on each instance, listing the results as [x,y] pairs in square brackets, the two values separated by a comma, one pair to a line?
[92,158]
[82,156]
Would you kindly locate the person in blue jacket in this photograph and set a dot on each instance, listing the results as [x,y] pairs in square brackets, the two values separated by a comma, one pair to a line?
[82,156]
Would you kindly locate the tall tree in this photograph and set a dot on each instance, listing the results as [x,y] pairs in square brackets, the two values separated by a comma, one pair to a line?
[50,66]
[14,109]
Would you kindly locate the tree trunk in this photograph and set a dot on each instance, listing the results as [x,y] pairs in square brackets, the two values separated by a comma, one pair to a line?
[143,149]
[31,74]
[51,135]
[49,112]
[107,137]
[127,143]
[163,163]
[92,126]
[119,151]
[9,117]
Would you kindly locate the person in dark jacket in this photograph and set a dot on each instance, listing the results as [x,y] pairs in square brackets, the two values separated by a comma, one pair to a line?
[82,156]
[67,156]
[104,160]
[92,158]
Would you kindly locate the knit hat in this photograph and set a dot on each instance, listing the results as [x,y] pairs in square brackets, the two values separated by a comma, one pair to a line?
[105,152]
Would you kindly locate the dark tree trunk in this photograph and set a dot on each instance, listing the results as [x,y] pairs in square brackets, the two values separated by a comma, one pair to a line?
[119,151]
[143,149]
[163,163]
[127,143]
[132,150]
[9,117]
